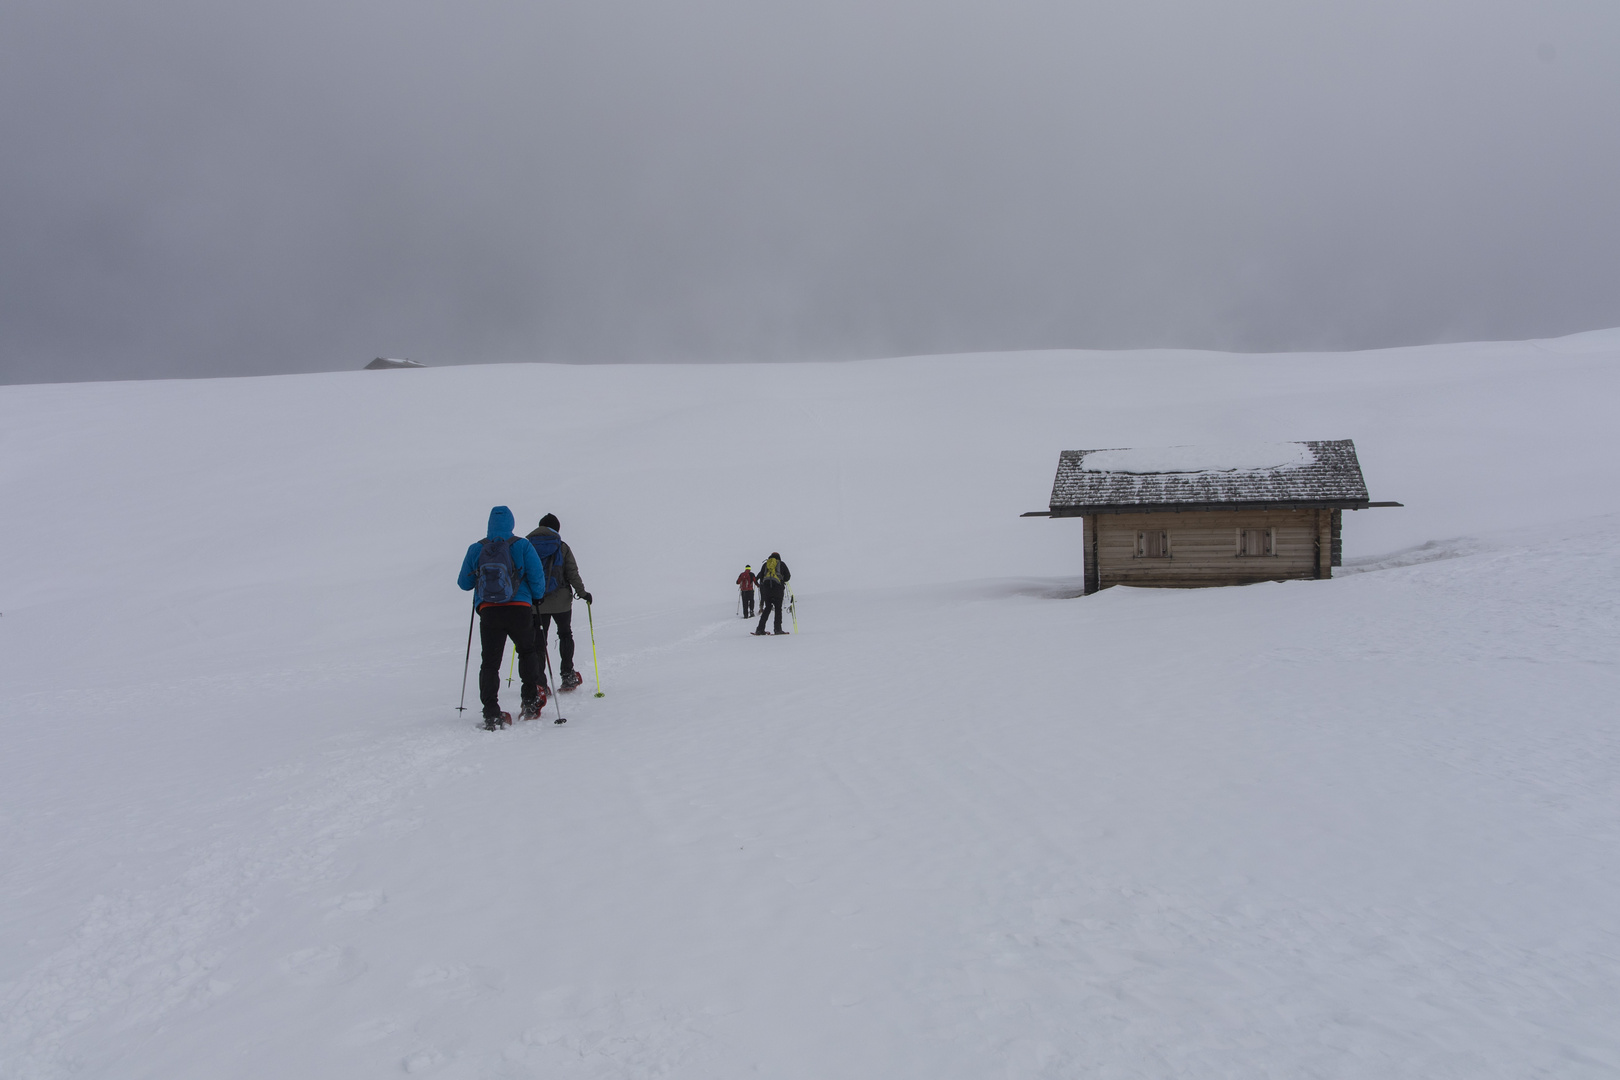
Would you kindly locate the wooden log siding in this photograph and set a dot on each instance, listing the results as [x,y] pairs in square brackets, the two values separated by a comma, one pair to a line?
[1324,543]
[1204,546]
[1093,582]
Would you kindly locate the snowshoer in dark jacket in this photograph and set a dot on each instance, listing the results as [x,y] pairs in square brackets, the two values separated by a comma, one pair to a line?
[563,584]
[745,583]
[507,576]
[773,578]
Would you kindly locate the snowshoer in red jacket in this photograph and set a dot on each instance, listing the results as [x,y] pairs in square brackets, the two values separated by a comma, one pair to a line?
[745,583]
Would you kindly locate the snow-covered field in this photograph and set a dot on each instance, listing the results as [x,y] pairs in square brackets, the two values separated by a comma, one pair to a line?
[963,825]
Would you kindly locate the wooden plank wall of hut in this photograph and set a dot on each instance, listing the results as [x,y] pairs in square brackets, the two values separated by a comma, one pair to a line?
[1204,546]
[1093,580]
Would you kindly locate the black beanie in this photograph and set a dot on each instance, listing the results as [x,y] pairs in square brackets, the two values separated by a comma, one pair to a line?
[550,522]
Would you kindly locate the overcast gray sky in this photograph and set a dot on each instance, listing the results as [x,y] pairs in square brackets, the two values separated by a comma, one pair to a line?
[197,187]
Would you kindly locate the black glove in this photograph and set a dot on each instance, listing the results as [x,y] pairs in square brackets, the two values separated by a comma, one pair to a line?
[585,596]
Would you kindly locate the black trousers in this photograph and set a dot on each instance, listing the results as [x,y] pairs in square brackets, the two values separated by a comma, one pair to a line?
[770,600]
[748,603]
[565,638]
[495,625]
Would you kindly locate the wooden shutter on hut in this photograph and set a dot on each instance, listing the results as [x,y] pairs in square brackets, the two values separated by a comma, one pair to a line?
[1153,544]
[1256,542]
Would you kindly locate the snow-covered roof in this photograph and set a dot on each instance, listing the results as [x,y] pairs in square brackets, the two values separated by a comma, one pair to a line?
[1316,473]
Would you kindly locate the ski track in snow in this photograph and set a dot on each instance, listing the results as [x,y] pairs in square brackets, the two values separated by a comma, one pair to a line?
[1365,828]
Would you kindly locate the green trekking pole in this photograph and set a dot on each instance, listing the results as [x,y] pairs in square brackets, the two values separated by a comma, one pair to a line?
[510,666]
[594,665]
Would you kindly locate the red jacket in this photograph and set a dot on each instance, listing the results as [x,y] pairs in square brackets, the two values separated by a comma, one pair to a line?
[745,581]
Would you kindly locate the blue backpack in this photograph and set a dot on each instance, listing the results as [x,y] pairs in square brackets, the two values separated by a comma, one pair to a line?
[549,547]
[498,576]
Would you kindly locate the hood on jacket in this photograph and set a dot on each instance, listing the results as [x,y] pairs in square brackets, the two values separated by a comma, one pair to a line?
[500,523]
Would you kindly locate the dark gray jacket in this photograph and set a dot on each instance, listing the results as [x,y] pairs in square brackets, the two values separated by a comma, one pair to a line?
[560,599]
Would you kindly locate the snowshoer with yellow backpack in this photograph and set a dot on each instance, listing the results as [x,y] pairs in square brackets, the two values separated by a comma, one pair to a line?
[773,578]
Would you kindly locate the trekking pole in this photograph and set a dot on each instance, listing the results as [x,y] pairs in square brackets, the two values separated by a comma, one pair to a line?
[594,665]
[551,678]
[793,608]
[467,662]
[510,666]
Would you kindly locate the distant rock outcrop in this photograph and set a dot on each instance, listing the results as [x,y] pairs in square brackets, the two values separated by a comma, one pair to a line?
[382,363]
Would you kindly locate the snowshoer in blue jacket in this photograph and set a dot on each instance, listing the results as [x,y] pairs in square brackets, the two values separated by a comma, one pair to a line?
[508,578]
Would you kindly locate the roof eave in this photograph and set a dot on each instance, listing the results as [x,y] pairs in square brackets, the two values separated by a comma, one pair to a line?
[1077,510]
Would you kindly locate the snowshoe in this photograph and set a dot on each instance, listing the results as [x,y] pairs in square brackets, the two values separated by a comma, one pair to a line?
[570,681]
[500,720]
[758,633]
[531,709]
[782,631]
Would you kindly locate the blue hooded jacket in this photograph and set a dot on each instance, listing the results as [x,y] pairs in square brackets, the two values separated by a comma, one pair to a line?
[531,575]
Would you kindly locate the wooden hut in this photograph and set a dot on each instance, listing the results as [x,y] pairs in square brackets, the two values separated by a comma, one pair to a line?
[1189,516]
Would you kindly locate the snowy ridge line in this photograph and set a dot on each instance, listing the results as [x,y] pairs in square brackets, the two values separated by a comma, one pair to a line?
[1587,343]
